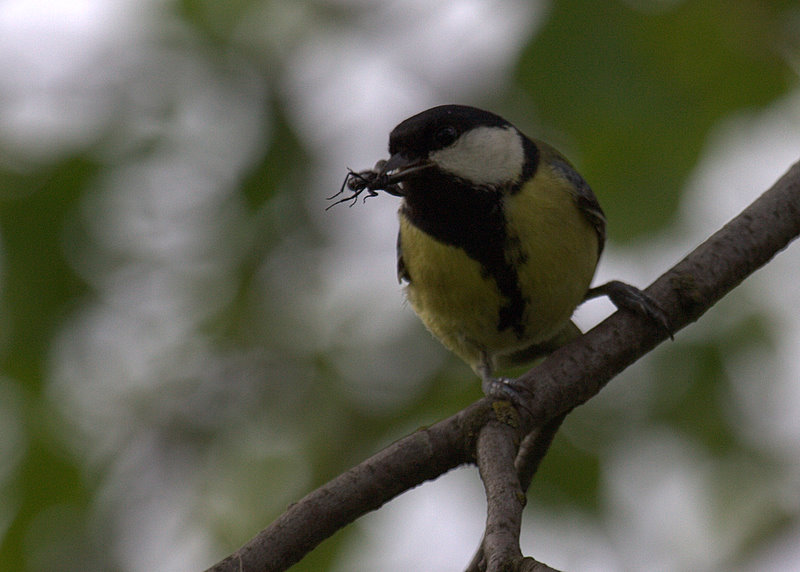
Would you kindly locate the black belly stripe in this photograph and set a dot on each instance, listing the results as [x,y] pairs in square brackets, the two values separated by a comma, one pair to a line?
[473,220]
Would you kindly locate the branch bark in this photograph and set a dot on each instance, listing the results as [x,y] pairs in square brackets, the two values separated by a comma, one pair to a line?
[567,378]
[496,451]
[529,455]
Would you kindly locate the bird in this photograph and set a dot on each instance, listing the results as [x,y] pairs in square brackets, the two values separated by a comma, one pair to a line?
[499,238]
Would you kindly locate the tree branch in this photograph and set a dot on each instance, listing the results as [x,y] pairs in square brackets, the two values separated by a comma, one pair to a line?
[686,291]
[576,372]
[530,454]
[568,377]
[423,455]
[496,451]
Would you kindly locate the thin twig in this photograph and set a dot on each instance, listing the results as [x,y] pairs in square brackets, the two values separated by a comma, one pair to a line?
[496,451]
[529,456]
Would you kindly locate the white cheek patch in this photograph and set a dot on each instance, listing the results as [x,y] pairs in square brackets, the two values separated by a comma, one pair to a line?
[487,156]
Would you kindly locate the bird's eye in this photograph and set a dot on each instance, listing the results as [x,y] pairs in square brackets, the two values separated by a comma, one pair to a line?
[445,135]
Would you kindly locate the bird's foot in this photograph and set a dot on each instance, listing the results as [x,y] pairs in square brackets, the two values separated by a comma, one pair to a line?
[505,389]
[627,297]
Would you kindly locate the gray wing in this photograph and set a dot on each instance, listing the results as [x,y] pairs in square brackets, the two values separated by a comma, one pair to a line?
[585,199]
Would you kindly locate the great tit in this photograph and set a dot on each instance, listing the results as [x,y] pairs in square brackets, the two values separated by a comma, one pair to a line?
[499,237]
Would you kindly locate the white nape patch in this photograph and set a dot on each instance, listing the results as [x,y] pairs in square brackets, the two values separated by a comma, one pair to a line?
[486,156]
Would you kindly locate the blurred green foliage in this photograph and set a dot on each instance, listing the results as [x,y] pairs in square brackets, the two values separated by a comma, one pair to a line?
[634,92]
[638,90]
[38,283]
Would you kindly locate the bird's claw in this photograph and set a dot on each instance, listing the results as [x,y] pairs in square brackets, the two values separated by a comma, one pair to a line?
[505,389]
[627,297]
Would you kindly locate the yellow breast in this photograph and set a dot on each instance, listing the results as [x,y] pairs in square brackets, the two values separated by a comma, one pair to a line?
[550,243]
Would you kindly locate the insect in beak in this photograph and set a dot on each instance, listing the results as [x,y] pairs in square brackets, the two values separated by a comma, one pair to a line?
[384,176]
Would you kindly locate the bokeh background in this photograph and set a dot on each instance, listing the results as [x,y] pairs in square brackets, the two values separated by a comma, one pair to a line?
[189,341]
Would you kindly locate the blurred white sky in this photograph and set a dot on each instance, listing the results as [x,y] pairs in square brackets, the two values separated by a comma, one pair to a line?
[71,70]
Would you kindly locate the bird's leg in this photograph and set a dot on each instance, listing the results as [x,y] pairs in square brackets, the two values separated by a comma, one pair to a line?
[627,297]
[496,387]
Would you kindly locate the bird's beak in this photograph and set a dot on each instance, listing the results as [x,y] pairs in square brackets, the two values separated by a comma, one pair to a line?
[396,162]
[399,167]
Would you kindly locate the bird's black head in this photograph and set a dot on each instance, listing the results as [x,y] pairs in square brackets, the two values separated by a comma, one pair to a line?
[472,145]
[439,127]
[453,147]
